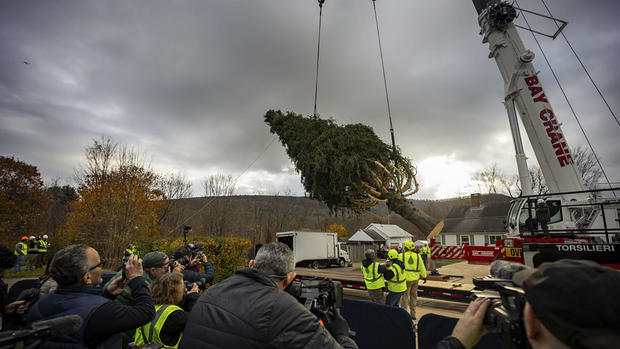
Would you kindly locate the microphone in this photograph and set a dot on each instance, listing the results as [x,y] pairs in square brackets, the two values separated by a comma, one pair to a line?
[505,270]
[60,326]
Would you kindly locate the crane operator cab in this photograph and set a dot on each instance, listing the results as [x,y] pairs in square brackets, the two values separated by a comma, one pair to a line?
[595,220]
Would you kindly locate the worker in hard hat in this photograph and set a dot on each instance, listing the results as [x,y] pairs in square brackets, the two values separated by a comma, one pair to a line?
[42,245]
[395,277]
[425,252]
[373,277]
[414,269]
[33,252]
[21,251]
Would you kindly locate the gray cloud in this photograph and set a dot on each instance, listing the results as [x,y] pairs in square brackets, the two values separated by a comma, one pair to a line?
[187,82]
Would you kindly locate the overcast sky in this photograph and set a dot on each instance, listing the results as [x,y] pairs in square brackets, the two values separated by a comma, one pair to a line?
[188,82]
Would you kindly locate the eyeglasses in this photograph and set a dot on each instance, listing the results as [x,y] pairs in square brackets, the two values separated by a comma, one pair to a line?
[101,264]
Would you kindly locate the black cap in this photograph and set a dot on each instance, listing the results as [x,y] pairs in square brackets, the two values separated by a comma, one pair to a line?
[574,299]
[154,259]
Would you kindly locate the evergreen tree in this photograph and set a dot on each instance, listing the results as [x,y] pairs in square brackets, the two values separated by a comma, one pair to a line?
[348,167]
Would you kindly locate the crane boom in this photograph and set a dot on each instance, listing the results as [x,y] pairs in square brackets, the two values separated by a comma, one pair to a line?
[523,89]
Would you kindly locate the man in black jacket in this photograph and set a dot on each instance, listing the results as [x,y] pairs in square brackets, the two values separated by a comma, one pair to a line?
[77,269]
[252,310]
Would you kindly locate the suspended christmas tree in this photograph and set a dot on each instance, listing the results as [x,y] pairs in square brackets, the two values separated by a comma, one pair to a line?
[349,167]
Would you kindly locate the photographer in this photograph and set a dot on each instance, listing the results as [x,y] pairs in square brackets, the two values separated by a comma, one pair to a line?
[154,264]
[568,304]
[77,270]
[168,292]
[191,260]
[251,310]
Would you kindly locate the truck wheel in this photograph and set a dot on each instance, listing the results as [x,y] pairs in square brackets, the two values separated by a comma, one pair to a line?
[342,263]
[315,265]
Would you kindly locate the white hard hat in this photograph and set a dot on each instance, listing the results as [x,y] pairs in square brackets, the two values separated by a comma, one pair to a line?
[541,201]
[32,237]
[45,236]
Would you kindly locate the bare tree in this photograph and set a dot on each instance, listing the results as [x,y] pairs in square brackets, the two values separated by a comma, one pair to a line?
[99,160]
[220,185]
[174,187]
[490,179]
[218,189]
[588,166]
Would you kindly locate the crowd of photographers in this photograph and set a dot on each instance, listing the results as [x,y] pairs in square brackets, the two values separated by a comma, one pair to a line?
[149,302]
[154,302]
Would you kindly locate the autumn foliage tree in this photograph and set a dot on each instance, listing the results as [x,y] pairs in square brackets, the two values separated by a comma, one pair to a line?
[348,167]
[119,200]
[22,199]
[338,228]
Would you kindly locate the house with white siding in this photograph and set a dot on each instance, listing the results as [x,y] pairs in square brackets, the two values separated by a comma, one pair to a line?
[383,234]
[478,224]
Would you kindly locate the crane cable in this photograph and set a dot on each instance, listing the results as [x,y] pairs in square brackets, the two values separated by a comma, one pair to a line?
[566,98]
[583,66]
[318,54]
[387,97]
[387,100]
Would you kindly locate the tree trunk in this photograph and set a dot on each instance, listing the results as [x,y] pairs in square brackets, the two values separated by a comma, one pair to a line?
[419,218]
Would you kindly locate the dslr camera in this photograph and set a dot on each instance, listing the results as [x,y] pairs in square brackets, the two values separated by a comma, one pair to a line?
[504,317]
[182,261]
[202,284]
[321,296]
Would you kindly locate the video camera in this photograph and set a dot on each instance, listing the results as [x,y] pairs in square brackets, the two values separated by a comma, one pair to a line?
[197,250]
[504,316]
[319,295]
[202,284]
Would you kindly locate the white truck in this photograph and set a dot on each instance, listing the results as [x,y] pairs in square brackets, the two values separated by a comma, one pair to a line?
[316,249]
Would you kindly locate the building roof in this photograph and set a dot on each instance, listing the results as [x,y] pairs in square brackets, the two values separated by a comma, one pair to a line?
[361,236]
[488,217]
[388,231]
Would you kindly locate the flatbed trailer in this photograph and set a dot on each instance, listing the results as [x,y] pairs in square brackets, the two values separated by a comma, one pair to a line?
[440,290]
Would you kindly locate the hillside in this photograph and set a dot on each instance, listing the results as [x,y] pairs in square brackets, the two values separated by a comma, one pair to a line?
[260,217]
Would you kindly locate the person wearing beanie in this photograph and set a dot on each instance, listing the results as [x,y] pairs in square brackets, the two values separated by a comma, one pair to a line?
[154,264]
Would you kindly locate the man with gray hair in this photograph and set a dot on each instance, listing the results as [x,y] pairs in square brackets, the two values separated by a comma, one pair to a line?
[251,310]
[77,270]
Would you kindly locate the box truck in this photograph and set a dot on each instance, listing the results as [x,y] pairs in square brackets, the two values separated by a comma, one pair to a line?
[314,249]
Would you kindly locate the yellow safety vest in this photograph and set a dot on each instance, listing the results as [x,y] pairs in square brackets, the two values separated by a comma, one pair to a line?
[152,334]
[41,246]
[372,278]
[412,262]
[21,249]
[397,282]
[426,250]
[134,251]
